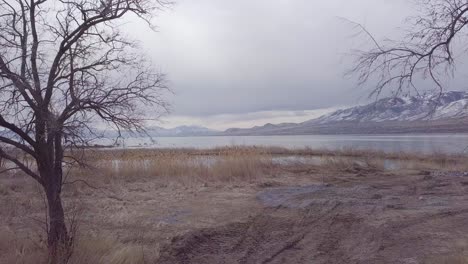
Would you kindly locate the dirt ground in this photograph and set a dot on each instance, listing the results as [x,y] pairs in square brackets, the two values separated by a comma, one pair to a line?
[293,214]
[373,218]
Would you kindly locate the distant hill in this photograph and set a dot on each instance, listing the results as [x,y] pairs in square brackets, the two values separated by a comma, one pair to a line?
[429,113]
[156,131]
[180,131]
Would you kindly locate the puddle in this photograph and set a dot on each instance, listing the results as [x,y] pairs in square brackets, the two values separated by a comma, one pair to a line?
[288,160]
[175,218]
[288,196]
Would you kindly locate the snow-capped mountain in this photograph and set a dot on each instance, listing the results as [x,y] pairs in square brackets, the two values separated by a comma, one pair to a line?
[406,108]
[429,113]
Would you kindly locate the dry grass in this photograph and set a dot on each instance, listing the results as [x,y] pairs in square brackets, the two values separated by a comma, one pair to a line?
[29,250]
[15,249]
[106,250]
[112,154]
[124,190]
[459,258]
[231,165]
[347,165]
[135,184]
[244,164]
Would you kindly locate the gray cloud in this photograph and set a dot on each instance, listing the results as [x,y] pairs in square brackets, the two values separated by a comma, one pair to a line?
[234,57]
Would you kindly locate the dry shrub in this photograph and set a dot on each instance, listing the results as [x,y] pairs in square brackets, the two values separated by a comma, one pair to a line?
[106,250]
[241,165]
[461,258]
[4,190]
[170,156]
[227,165]
[436,161]
[14,249]
[352,165]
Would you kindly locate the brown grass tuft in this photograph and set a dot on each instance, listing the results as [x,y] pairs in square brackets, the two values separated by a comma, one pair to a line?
[106,250]
[228,165]
[15,249]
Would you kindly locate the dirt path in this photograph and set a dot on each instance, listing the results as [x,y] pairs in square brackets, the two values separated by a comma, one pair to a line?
[354,219]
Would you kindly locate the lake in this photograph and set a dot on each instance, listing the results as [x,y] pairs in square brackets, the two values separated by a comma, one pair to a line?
[424,143]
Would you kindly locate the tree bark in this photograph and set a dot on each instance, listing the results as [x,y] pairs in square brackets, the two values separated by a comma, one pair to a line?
[59,241]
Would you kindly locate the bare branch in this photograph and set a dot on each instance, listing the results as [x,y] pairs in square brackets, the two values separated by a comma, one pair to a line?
[21,165]
[64,66]
[425,52]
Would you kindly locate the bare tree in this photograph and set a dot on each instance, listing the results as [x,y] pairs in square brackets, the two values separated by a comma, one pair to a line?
[63,65]
[428,50]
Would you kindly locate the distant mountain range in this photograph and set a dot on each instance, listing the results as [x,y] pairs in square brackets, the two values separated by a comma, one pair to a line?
[429,113]
[406,108]
[181,131]
[156,131]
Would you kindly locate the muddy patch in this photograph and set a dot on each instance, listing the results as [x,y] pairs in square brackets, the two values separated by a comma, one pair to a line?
[289,197]
[376,219]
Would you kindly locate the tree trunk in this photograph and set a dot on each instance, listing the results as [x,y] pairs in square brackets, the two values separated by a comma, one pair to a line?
[59,242]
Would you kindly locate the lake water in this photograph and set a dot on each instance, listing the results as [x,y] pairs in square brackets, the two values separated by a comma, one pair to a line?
[424,143]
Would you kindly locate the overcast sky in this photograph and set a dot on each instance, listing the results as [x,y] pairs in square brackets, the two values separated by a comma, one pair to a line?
[249,62]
